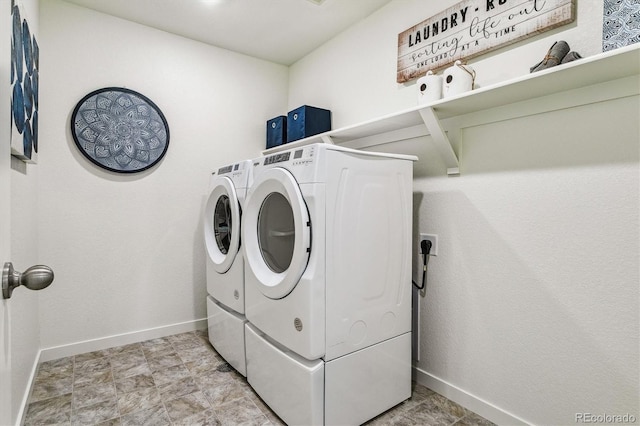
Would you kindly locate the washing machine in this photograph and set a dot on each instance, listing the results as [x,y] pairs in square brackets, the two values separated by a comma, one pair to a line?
[326,236]
[225,261]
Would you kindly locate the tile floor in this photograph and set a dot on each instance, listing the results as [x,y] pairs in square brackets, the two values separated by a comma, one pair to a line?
[181,380]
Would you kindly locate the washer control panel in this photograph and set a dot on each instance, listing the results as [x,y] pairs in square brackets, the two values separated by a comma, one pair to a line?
[237,172]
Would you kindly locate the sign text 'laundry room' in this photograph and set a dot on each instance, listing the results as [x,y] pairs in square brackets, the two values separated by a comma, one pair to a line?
[473,27]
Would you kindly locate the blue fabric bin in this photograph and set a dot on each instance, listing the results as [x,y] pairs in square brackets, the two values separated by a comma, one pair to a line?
[307,121]
[276,131]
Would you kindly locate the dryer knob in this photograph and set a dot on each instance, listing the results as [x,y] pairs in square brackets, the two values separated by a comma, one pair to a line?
[297,323]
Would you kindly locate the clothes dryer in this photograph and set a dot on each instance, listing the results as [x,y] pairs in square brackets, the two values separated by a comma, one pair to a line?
[327,243]
[225,261]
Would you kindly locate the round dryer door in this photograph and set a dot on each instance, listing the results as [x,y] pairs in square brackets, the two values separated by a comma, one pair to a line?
[222,224]
[276,232]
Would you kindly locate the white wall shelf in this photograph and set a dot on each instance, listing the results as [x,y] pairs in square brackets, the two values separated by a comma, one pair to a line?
[601,77]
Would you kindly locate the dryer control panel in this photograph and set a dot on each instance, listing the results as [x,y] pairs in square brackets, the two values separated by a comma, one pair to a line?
[303,155]
[277,158]
[303,162]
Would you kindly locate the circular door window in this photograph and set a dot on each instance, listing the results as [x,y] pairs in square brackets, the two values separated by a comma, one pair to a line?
[276,232]
[223,224]
[221,215]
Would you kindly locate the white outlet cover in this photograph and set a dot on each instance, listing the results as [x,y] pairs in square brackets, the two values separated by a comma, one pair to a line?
[434,243]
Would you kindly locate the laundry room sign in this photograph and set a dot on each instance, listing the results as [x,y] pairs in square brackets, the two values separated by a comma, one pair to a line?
[473,27]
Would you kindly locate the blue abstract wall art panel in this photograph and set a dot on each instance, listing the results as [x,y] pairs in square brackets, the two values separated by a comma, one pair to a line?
[120,130]
[24,87]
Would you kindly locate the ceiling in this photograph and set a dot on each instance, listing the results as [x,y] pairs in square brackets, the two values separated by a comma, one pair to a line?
[280,31]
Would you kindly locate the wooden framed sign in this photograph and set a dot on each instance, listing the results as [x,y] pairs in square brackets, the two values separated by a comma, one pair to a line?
[473,27]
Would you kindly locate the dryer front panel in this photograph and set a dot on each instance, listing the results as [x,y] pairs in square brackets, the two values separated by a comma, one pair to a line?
[276,232]
[222,224]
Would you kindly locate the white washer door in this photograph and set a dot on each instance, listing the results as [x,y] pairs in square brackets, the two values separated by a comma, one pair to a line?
[222,224]
[276,232]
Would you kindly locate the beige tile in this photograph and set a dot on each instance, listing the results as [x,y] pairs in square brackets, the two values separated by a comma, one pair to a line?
[56,369]
[448,406]
[92,394]
[118,387]
[79,359]
[138,400]
[54,374]
[92,365]
[93,377]
[178,388]
[203,334]
[111,422]
[197,352]
[184,337]
[185,345]
[154,416]
[49,387]
[133,383]
[132,369]
[95,413]
[170,374]
[212,378]
[264,408]
[156,347]
[128,358]
[205,418]
[204,364]
[241,411]
[155,342]
[186,406]
[391,417]
[125,348]
[52,410]
[58,363]
[472,419]
[163,361]
[224,393]
[427,414]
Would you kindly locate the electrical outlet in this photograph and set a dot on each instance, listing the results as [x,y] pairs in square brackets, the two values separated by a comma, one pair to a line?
[434,243]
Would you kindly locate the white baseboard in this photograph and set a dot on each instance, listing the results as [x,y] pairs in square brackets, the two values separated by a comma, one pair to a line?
[467,400]
[77,348]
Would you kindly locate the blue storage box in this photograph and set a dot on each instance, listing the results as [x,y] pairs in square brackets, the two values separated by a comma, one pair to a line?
[307,121]
[276,131]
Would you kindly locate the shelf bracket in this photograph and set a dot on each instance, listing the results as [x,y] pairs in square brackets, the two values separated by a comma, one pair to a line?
[443,145]
[327,139]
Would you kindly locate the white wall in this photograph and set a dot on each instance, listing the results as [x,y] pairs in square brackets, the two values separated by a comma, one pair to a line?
[522,313]
[127,250]
[354,75]
[23,307]
[531,312]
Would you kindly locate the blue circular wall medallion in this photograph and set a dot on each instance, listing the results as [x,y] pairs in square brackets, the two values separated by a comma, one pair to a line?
[120,130]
